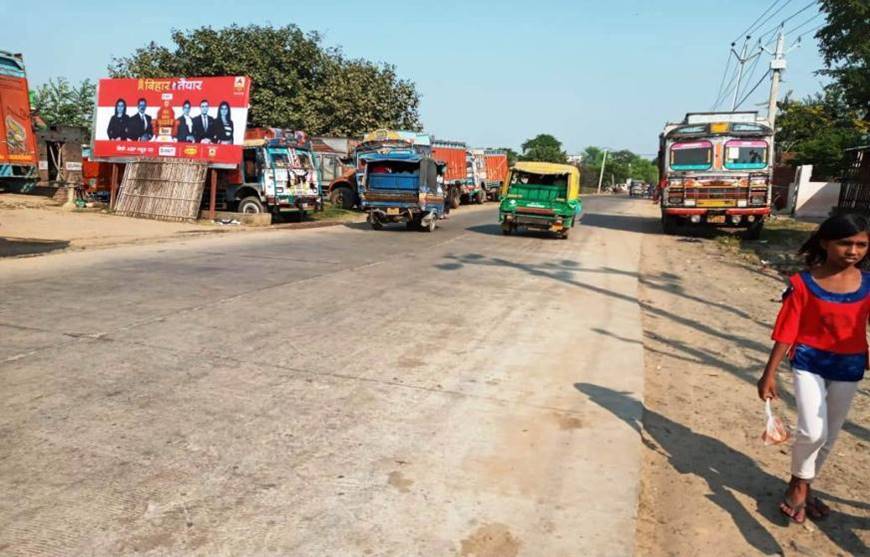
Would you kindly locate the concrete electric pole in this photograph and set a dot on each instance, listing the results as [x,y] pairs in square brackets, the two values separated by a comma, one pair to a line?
[601,175]
[777,66]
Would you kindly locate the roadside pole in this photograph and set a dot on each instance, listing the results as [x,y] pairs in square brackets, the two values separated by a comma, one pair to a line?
[601,175]
[741,60]
[777,66]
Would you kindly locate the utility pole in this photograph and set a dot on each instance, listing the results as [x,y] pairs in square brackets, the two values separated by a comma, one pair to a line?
[741,60]
[777,66]
[601,175]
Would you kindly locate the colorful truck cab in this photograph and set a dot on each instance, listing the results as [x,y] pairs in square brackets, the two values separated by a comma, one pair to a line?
[540,195]
[716,169]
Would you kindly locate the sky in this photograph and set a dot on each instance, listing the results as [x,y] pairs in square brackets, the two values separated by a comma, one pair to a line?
[492,74]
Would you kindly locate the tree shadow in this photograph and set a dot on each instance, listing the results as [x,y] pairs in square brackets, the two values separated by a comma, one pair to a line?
[565,274]
[725,471]
[16,247]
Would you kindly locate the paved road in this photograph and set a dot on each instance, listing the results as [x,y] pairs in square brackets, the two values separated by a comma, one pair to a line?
[325,392]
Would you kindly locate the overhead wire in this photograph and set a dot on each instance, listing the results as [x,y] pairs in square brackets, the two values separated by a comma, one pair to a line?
[751,25]
[756,86]
[722,81]
[771,16]
[796,27]
[728,88]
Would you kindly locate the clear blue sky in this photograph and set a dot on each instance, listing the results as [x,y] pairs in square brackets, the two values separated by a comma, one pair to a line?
[490,73]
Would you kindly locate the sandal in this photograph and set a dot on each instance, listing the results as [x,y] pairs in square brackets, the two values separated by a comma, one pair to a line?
[816,508]
[795,512]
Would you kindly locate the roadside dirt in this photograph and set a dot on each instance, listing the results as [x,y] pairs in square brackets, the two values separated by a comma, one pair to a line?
[709,485]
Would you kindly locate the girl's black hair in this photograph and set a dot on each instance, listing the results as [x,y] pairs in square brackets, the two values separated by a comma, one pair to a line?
[834,228]
[229,111]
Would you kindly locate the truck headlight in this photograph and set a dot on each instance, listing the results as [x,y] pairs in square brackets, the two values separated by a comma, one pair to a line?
[690,203]
[675,201]
[741,203]
[758,199]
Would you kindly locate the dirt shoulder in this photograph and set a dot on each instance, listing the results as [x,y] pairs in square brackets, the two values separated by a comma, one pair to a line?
[707,480]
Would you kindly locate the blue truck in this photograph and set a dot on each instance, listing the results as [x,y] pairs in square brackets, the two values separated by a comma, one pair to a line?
[401,186]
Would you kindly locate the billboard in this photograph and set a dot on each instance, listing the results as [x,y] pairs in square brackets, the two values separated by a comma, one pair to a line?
[201,118]
[17,142]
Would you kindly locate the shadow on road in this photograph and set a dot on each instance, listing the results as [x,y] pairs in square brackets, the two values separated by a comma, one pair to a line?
[725,471]
[11,247]
[627,223]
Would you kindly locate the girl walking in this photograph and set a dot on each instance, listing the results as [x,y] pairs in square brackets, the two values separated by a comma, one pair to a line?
[821,327]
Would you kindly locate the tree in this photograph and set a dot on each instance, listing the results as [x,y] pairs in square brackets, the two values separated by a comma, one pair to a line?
[297,82]
[817,130]
[620,166]
[545,148]
[845,45]
[60,103]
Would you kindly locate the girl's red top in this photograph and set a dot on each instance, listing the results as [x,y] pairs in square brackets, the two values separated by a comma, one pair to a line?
[827,330]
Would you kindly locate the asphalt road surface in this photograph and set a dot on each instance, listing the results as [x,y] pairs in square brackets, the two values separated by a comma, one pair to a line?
[333,391]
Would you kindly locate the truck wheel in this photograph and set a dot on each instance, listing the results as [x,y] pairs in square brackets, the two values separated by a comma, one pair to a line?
[343,197]
[754,230]
[455,198]
[251,205]
[377,225]
[669,225]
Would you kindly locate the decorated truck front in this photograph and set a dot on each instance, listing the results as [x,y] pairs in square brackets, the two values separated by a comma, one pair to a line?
[18,155]
[715,169]
[278,173]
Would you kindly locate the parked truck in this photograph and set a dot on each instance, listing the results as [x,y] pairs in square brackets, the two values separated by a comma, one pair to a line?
[716,169]
[18,154]
[491,166]
[277,173]
[461,175]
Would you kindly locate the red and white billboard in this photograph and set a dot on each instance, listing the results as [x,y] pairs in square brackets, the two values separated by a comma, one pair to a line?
[201,118]
[17,143]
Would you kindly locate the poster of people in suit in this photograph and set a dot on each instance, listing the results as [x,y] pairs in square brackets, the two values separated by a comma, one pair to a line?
[194,117]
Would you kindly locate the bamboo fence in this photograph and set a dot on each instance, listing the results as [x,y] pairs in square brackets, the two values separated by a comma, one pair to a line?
[162,189]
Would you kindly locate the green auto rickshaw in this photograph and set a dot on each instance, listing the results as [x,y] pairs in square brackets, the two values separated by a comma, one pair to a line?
[540,195]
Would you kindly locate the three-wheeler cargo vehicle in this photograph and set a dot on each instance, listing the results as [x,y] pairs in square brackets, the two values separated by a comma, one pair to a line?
[540,195]
[402,187]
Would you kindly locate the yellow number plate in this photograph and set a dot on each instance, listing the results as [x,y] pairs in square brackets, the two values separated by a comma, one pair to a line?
[392,210]
[715,203]
[716,219]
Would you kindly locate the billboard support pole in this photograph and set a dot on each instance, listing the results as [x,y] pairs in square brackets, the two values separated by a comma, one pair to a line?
[113,188]
[212,197]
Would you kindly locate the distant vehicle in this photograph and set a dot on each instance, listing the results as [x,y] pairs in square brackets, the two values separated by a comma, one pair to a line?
[18,154]
[637,188]
[461,173]
[344,191]
[492,168]
[402,187]
[541,195]
[716,169]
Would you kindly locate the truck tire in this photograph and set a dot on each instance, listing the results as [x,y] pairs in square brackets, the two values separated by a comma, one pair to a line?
[251,205]
[754,230]
[669,225]
[343,197]
[455,198]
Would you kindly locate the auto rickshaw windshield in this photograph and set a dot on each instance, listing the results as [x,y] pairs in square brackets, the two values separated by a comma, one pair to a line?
[559,181]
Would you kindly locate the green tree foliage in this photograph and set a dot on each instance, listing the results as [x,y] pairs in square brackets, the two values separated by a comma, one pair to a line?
[60,103]
[297,82]
[845,45]
[817,129]
[619,167]
[545,148]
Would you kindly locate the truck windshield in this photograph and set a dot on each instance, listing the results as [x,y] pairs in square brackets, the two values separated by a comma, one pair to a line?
[743,155]
[695,155]
[280,157]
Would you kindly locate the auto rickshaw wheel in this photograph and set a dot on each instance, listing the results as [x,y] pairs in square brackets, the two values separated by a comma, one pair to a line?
[563,235]
[431,224]
[507,229]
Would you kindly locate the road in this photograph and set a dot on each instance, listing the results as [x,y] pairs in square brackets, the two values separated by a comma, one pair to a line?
[334,391]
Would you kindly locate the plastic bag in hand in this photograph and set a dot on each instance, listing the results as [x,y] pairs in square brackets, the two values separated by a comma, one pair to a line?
[775,432]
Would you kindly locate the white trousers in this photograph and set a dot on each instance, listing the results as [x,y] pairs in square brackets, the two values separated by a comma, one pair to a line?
[822,406]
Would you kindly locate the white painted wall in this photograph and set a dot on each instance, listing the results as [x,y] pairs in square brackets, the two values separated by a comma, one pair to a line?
[812,199]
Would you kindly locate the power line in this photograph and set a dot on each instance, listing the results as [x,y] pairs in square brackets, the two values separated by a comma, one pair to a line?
[728,88]
[771,16]
[722,81]
[796,27]
[751,25]
[786,20]
[756,86]
[752,69]
[813,30]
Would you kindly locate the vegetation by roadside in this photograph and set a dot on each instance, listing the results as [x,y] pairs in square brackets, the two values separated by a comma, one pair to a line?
[780,241]
[331,212]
